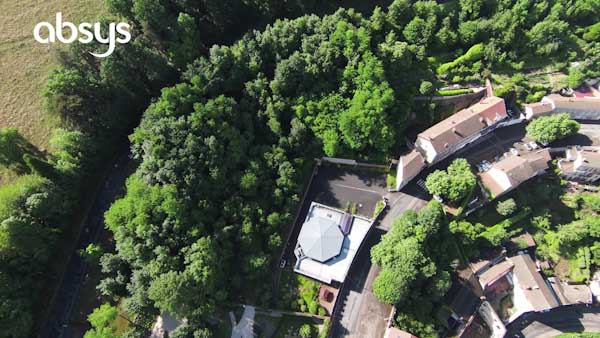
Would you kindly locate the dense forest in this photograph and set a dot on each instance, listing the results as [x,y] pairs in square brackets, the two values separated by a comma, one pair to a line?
[227,141]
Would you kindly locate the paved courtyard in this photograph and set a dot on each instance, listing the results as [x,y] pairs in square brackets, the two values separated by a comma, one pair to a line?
[588,135]
[344,186]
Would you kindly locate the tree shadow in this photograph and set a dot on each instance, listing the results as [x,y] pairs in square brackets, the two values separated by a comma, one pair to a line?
[13,150]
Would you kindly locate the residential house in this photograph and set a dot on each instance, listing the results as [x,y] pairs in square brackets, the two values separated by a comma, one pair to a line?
[531,292]
[328,242]
[568,294]
[580,165]
[409,166]
[513,170]
[580,108]
[460,129]
[488,277]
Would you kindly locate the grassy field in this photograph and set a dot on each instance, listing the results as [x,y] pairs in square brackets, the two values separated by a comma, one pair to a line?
[24,63]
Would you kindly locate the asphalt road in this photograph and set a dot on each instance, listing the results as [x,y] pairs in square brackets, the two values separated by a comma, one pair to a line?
[362,315]
[59,323]
[577,318]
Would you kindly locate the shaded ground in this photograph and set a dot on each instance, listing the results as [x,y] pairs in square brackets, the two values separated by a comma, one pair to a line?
[588,135]
[59,323]
[578,318]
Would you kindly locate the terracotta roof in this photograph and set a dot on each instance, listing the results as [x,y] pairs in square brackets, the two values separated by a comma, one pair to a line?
[491,184]
[574,103]
[494,273]
[465,123]
[491,109]
[571,294]
[539,108]
[532,284]
[480,265]
[518,169]
[412,164]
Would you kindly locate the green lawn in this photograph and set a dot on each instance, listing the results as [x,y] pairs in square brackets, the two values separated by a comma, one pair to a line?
[290,325]
[580,335]
[26,63]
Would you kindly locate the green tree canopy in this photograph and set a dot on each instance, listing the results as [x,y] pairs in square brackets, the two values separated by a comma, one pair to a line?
[454,183]
[547,129]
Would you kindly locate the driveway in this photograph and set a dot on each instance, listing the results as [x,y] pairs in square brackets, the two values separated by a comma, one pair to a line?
[412,197]
[576,318]
[362,315]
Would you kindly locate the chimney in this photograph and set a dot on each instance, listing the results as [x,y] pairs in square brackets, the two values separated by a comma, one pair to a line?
[489,89]
[456,132]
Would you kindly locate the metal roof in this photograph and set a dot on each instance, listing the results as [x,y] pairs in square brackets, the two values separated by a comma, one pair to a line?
[320,239]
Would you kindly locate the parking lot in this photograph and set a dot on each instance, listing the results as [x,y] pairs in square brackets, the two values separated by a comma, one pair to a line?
[344,187]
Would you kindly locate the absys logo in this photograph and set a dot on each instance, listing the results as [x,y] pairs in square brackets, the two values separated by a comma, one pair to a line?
[84,28]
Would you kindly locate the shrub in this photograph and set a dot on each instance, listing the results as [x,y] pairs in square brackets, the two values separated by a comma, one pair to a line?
[426,88]
[453,92]
[391,180]
[378,207]
[305,331]
[575,78]
[325,331]
[471,56]
[506,207]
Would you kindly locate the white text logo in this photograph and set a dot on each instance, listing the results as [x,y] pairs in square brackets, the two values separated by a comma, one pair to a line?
[85,29]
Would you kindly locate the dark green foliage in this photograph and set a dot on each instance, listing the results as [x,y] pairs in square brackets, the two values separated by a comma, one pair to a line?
[13,149]
[38,166]
[415,267]
[31,217]
[224,152]
[582,233]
